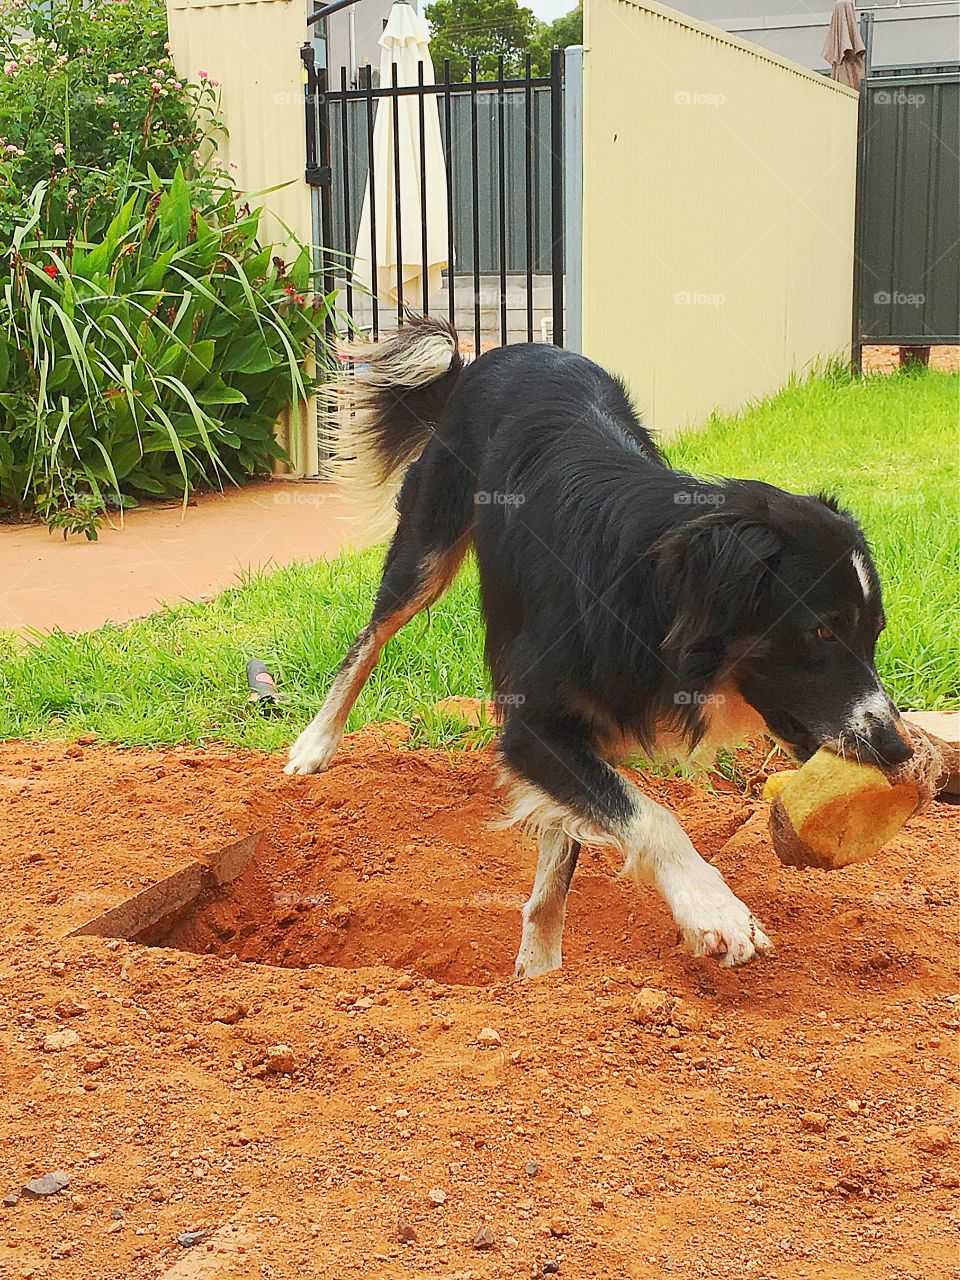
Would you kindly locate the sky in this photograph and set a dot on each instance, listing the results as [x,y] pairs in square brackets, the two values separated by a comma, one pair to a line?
[547,10]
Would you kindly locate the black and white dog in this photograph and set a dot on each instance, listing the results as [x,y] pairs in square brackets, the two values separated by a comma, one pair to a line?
[628,607]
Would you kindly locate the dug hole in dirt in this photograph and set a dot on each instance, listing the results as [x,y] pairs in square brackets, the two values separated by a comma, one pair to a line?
[302,1054]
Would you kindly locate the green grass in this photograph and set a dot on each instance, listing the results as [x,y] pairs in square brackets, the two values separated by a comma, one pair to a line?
[887,447]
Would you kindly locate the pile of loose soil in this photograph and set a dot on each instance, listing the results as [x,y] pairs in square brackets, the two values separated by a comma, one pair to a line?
[328,1054]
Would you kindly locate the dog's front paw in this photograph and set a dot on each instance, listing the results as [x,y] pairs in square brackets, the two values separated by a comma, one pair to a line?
[312,752]
[724,928]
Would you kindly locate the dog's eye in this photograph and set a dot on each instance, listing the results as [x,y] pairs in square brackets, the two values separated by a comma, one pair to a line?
[824,633]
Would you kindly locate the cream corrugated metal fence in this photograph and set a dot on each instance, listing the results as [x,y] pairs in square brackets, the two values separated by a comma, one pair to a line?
[252,48]
[718,215]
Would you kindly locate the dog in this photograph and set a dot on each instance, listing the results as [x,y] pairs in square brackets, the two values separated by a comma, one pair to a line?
[629,607]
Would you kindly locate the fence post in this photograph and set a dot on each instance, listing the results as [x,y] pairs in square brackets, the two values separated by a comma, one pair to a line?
[573,193]
[556,192]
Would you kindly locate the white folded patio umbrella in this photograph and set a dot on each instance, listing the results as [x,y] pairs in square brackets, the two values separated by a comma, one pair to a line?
[405,41]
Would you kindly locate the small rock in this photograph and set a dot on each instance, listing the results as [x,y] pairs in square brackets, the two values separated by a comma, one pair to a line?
[950,1178]
[228,1013]
[49,1185]
[933,1138]
[488,1038]
[117,1214]
[484,1239]
[586,1112]
[57,1040]
[853,1106]
[813,1122]
[550,1267]
[114,1227]
[531,1168]
[69,1008]
[405,1232]
[280,1060]
[189,1238]
[651,1006]
[10,1200]
[559,1227]
[437,1196]
[405,983]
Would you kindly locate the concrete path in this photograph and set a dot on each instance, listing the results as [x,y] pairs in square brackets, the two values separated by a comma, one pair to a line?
[162,554]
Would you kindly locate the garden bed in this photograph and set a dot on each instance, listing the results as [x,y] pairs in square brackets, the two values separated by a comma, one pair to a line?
[295,1061]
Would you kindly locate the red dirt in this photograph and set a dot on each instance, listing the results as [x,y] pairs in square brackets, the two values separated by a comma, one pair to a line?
[790,1119]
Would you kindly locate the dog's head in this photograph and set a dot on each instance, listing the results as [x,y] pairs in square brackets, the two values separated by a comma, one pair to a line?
[777,595]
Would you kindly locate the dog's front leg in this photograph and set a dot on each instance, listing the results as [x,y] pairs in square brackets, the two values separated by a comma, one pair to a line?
[568,794]
[711,918]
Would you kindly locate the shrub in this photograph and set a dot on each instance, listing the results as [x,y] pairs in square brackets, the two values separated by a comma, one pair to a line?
[155,357]
[147,341]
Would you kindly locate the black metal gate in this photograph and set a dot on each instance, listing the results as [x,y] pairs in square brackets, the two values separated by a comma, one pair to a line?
[907,273]
[503,158]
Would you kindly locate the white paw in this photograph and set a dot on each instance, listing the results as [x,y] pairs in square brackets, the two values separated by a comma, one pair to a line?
[714,922]
[312,752]
[537,954]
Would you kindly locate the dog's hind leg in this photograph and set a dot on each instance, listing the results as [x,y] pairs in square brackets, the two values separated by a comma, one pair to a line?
[543,915]
[412,581]
[427,549]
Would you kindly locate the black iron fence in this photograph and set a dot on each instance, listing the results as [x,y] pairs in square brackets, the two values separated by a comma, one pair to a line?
[503,164]
[907,274]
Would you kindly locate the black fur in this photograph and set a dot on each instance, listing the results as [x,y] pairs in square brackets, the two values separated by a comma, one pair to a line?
[623,597]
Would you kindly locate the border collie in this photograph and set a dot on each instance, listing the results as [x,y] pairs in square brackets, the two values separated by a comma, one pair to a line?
[629,607]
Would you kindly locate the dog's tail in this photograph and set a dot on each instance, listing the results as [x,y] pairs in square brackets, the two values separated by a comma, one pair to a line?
[383,411]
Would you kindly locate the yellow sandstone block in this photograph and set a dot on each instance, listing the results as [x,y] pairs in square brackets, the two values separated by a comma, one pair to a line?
[832,812]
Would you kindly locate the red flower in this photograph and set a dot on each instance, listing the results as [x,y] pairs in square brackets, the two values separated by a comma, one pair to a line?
[52,271]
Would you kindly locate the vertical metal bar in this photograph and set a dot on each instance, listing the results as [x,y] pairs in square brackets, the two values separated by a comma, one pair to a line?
[556,192]
[326,186]
[424,250]
[397,198]
[447,117]
[866,35]
[345,172]
[475,191]
[573,192]
[859,222]
[502,183]
[371,181]
[528,180]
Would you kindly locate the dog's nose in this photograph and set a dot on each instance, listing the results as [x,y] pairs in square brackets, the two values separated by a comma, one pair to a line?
[887,739]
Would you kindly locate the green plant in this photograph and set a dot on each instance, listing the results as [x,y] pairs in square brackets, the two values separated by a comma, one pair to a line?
[88,94]
[149,358]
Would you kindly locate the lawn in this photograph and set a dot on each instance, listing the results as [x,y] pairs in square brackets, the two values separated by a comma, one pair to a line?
[886,446]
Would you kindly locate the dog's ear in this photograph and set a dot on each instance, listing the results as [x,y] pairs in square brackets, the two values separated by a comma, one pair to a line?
[715,570]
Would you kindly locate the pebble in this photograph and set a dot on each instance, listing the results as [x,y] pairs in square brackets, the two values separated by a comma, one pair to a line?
[117,1214]
[230,1014]
[48,1185]
[114,1227]
[280,1060]
[531,1168]
[933,1138]
[69,1008]
[813,1122]
[484,1239]
[437,1196]
[57,1040]
[189,1238]
[405,983]
[488,1038]
[405,1232]
[586,1112]
[10,1200]
[550,1267]
[651,1006]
